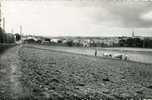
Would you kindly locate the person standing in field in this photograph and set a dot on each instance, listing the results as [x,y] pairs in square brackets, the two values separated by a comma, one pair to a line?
[95,52]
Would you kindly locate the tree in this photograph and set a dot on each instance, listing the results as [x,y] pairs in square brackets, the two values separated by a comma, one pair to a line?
[70,43]
[1,35]
[18,37]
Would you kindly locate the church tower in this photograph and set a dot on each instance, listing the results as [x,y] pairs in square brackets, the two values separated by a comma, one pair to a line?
[133,34]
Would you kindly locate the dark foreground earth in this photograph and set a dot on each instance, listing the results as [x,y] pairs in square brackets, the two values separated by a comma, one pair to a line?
[29,73]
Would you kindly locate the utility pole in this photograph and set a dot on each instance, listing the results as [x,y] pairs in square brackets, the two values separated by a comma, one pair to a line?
[4,24]
[12,31]
[0,16]
[133,34]
[21,29]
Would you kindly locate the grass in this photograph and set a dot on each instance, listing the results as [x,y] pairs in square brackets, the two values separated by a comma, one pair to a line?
[3,47]
[4,81]
[58,75]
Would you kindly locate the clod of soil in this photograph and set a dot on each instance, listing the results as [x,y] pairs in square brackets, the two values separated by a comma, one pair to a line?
[125,95]
[106,91]
[150,87]
[81,84]
[55,80]
[106,79]
[139,92]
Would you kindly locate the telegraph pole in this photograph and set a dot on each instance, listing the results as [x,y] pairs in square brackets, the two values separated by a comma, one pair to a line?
[12,30]
[4,24]
[21,29]
[0,16]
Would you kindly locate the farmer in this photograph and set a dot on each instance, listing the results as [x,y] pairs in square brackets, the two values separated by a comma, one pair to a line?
[95,52]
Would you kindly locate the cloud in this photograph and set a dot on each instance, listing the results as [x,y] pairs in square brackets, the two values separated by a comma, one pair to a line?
[94,17]
[123,15]
[147,16]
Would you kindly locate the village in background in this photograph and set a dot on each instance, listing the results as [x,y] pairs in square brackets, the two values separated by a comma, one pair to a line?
[121,41]
[124,41]
[118,41]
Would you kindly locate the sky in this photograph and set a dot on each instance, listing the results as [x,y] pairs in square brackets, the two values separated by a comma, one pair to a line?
[78,17]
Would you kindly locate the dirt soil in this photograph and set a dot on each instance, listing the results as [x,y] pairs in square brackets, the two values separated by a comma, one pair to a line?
[57,74]
[28,73]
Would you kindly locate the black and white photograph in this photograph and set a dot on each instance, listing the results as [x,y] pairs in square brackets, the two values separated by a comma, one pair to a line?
[75,49]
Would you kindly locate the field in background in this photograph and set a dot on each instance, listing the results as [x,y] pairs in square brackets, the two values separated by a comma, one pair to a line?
[130,49]
[49,73]
[134,54]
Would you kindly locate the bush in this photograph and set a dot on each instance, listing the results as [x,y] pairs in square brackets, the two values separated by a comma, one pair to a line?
[70,43]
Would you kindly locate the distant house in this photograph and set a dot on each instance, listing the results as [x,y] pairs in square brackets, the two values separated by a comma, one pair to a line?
[76,41]
[64,41]
[30,39]
[34,38]
[86,42]
[46,41]
[55,40]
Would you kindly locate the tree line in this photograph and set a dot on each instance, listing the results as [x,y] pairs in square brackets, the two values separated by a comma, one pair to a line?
[136,42]
[6,37]
[122,42]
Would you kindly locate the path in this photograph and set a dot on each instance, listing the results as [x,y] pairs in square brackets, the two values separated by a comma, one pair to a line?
[10,60]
